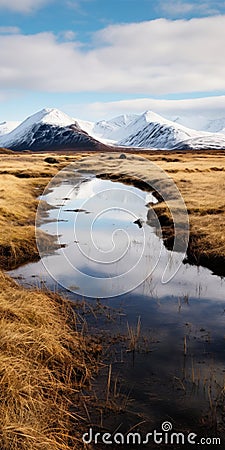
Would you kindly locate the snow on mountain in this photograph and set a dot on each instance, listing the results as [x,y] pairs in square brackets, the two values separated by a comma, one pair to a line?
[45,116]
[114,129]
[52,129]
[151,130]
[208,141]
[89,127]
[85,125]
[108,131]
[215,126]
[201,123]
[147,130]
[6,127]
[47,129]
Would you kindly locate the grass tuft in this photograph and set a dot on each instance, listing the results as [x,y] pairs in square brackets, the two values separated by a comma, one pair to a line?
[44,362]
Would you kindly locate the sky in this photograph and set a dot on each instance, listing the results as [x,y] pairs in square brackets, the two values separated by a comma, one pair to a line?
[95,59]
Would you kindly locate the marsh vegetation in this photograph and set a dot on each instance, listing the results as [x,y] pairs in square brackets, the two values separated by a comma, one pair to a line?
[48,361]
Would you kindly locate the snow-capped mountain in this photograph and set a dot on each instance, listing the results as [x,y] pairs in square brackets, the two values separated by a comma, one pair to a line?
[138,130]
[6,127]
[114,129]
[151,130]
[209,141]
[201,123]
[215,126]
[45,130]
[109,131]
[51,129]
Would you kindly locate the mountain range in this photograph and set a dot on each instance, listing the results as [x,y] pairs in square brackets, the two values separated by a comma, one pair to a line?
[48,129]
[51,129]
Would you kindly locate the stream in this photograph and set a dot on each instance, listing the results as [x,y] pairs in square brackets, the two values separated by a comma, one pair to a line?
[172,365]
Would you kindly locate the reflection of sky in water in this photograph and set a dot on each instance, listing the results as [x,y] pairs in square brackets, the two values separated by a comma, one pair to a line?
[191,304]
[117,245]
[103,243]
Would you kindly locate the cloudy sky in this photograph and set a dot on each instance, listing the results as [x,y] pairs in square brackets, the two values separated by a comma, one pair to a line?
[98,58]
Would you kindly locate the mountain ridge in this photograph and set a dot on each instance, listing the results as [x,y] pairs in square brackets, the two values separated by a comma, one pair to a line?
[48,129]
[51,128]
[151,130]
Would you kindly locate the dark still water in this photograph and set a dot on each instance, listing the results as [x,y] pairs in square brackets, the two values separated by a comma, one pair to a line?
[166,340]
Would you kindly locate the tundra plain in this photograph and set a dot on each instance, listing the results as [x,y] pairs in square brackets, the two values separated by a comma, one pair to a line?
[44,360]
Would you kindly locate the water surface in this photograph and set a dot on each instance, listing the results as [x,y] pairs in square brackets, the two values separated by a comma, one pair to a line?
[178,367]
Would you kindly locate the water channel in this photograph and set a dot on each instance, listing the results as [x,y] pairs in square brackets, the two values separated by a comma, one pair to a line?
[109,253]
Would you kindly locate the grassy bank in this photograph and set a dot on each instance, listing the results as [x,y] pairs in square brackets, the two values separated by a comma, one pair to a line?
[22,179]
[201,181]
[44,361]
[44,364]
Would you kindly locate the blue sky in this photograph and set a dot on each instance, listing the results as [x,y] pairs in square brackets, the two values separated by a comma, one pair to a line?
[92,57]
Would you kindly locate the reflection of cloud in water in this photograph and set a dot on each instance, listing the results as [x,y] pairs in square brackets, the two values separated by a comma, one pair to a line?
[107,240]
[109,244]
[191,304]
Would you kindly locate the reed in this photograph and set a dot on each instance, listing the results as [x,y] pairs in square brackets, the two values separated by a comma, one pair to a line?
[185,345]
[134,335]
[108,383]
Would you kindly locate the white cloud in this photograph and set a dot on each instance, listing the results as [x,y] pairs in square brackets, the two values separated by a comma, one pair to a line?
[151,58]
[178,8]
[9,30]
[23,6]
[194,111]
[68,35]
[78,5]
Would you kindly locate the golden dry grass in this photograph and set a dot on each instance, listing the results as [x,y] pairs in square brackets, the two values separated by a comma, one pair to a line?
[43,364]
[43,360]
[201,181]
[22,179]
[5,151]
